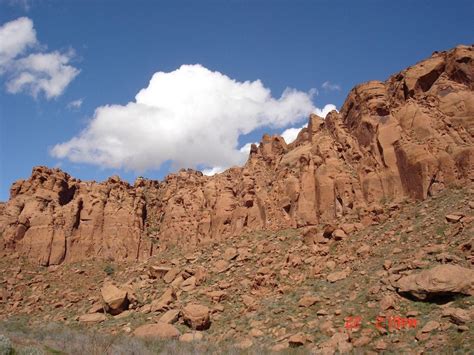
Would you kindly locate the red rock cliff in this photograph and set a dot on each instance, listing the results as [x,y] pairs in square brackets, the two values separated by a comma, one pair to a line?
[407,137]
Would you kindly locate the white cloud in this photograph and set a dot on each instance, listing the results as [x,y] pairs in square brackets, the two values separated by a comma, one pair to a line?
[15,37]
[328,86]
[75,104]
[246,148]
[291,134]
[191,116]
[326,109]
[47,73]
[213,171]
[42,72]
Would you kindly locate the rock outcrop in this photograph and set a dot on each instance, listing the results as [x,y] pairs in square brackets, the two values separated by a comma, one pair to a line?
[408,137]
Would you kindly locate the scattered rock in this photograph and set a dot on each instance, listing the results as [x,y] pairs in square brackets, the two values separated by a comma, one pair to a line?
[339,234]
[157,272]
[190,337]
[221,266]
[430,326]
[244,344]
[162,303]
[297,340]
[197,316]
[115,299]
[387,302]
[380,345]
[171,275]
[454,218]
[256,333]
[157,330]
[308,301]
[189,284]
[338,275]
[230,254]
[387,264]
[339,342]
[92,318]
[457,316]
[170,316]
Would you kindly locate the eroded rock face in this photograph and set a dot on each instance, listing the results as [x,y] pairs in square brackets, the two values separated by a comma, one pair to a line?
[410,136]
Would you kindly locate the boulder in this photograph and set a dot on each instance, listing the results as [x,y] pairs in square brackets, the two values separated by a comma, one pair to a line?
[114,298]
[157,330]
[338,275]
[457,316]
[170,316]
[164,301]
[92,318]
[197,316]
[308,301]
[442,280]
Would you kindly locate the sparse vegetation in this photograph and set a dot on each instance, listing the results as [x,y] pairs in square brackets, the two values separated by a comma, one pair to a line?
[109,269]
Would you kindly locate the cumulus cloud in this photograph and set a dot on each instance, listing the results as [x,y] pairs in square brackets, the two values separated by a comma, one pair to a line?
[191,116]
[246,148]
[291,134]
[328,86]
[15,37]
[48,73]
[76,104]
[326,109]
[213,171]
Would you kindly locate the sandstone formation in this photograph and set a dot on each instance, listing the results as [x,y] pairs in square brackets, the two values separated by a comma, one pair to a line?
[408,137]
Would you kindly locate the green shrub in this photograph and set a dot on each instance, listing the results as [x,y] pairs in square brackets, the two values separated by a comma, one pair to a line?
[109,269]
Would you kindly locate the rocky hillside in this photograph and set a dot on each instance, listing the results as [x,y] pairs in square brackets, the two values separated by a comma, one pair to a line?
[402,286]
[408,137]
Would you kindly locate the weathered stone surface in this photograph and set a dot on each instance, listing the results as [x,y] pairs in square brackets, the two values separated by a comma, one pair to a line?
[457,316]
[115,299]
[170,316]
[92,318]
[410,136]
[157,330]
[439,281]
[308,301]
[164,301]
[197,316]
[338,275]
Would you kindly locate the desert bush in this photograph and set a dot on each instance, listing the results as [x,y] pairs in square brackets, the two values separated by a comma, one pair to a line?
[6,347]
[29,350]
[109,269]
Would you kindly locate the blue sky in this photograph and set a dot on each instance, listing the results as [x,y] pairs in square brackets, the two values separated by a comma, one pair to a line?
[106,52]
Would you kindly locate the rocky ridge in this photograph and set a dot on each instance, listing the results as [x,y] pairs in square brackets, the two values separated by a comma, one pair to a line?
[408,137]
